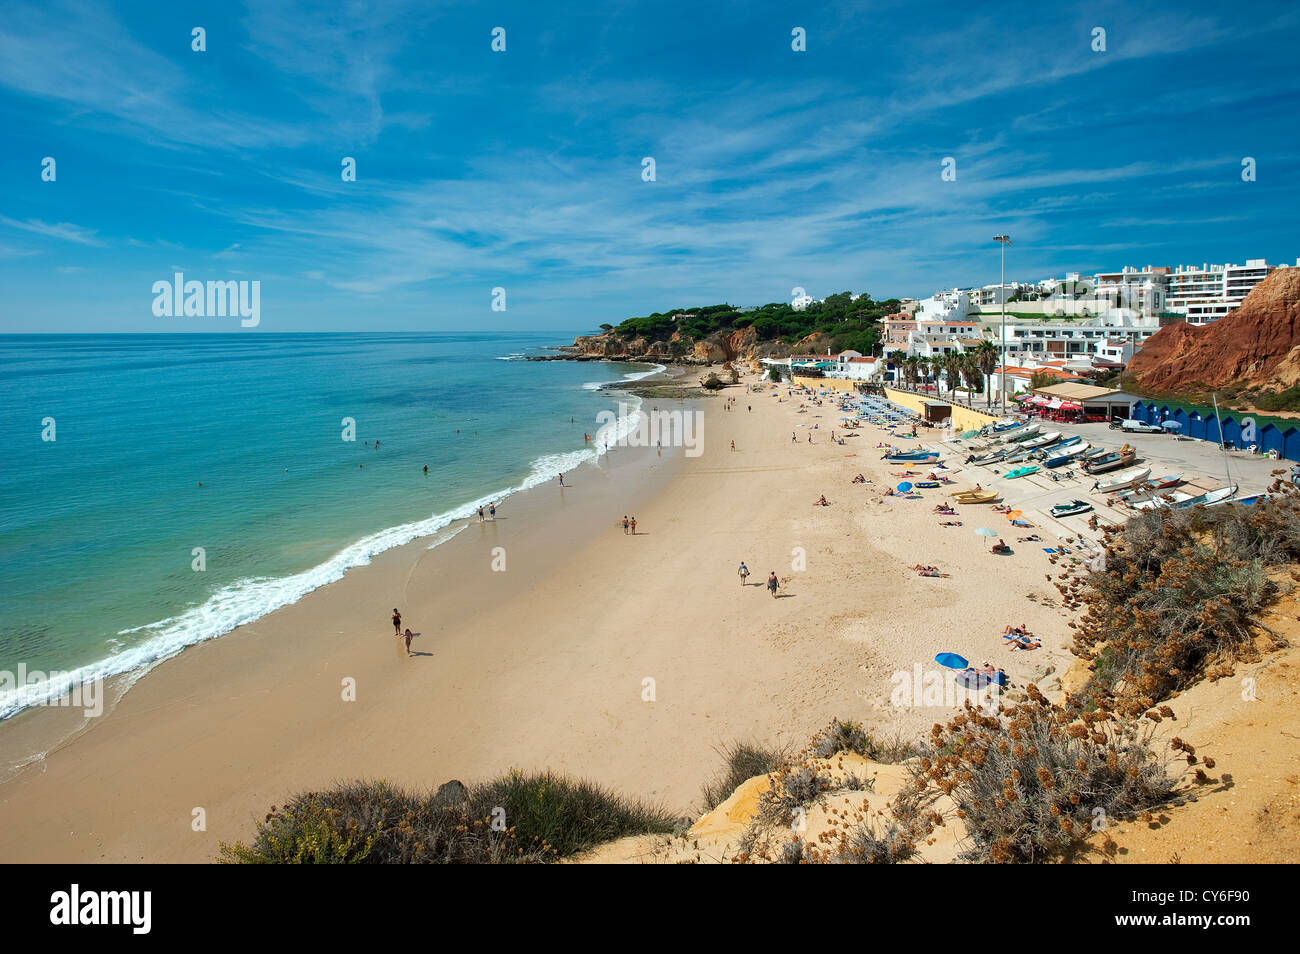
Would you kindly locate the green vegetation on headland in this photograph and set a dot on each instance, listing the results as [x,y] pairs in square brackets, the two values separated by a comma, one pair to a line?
[851,324]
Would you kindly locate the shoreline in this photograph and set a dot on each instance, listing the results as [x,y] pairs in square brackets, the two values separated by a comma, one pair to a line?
[545,665]
[144,658]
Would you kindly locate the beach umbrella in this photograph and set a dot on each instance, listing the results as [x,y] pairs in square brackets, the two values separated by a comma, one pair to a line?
[986,532]
[904,487]
[1011,514]
[951,660]
[1172,425]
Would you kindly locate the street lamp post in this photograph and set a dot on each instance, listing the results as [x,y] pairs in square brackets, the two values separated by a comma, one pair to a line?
[1004,241]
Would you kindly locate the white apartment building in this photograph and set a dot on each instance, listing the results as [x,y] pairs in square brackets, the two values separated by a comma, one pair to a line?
[995,294]
[1145,292]
[1211,291]
[950,305]
[1104,337]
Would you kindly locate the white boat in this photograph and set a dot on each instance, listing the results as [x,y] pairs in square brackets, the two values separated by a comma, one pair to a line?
[1042,440]
[1061,454]
[1129,477]
[1156,501]
[1010,437]
[1157,487]
[1221,495]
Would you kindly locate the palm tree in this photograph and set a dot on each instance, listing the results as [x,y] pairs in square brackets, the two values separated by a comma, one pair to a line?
[952,370]
[911,363]
[970,370]
[986,355]
[896,358]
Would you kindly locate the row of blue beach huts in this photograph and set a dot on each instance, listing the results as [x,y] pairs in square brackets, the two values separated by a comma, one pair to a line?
[1239,430]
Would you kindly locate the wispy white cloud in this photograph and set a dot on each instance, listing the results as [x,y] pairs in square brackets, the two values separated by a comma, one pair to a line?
[65,231]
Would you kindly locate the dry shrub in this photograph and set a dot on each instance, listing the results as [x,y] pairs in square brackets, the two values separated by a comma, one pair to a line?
[1180,597]
[1032,784]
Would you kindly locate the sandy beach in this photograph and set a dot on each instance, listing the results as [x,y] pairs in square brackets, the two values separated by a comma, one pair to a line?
[624,659]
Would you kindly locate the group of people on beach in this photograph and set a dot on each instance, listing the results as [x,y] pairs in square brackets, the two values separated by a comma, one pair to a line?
[397,631]
[629,524]
[491,512]
[773,584]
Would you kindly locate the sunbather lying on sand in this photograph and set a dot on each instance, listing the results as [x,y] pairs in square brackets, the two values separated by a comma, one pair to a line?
[1015,631]
[1032,538]
[859,479]
[1024,642]
[929,571]
[823,502]
[950,523]
[944,508]
[1022,523]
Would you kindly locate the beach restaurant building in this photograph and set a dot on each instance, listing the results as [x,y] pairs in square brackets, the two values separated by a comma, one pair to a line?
[1071,401]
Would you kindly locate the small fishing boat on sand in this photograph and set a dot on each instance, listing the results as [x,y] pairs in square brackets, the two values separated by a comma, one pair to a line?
[1021,472]
[1109,462]
[1042,440]
[1063,454]
[1123,479]
[1221,495]
[975,496]
[912,457]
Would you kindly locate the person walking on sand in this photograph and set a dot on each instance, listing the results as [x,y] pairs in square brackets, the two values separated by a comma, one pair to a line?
[625,523]
[743,573]
[632,523]
[480,514]
[772,583]
[733,445]
[407,636]
[397,622]
[492,510]
[561,480]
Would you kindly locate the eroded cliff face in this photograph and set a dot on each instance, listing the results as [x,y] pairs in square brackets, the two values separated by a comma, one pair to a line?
[741,345]
[1255,346]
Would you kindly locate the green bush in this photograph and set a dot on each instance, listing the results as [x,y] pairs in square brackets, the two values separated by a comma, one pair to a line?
[741,762]
[517,818]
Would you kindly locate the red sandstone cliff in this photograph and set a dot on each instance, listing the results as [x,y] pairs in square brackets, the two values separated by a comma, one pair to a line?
[742,344]
[1258,345]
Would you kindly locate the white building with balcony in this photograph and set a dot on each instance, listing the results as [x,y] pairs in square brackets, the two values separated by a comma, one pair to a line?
[1144,292]
[1207,293]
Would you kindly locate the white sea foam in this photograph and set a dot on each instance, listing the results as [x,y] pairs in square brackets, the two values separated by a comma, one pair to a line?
[250,599]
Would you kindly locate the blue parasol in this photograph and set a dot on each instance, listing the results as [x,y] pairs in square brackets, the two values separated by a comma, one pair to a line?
[904,487]
[951,660]
[1172,425]
[986,532]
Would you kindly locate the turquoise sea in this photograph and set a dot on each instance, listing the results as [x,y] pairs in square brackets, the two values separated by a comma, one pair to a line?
[99,527]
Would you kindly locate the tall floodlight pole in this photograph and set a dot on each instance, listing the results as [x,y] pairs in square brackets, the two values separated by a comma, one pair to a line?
[1004,241]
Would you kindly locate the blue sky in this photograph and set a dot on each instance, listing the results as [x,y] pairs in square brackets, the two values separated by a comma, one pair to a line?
[774,168]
